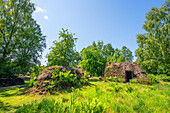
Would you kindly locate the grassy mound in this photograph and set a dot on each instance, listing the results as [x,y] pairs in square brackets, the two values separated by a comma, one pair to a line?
[57,79]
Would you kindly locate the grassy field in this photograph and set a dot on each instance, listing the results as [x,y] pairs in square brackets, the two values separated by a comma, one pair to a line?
[105,96]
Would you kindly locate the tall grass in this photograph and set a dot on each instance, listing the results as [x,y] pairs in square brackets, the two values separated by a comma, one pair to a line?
[73,106]
[107,97]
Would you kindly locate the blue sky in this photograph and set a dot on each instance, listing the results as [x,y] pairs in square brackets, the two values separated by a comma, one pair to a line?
[113,21]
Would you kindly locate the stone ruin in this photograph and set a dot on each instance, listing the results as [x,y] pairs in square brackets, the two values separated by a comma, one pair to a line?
[126,70]
[44,77]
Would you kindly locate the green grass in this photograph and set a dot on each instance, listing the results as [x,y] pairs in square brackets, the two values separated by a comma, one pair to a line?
[114,97]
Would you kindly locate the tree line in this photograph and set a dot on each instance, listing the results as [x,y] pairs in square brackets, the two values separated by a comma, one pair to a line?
[22,43]
[92,58]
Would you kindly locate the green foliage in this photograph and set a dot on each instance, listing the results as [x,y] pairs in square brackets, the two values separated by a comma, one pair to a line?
[114,79]
[117,88]
[31,82]
[94,57]
[63,52]
[163,69]
[123,55]
[65,80]
[7,69]
[132,81]
[153,52]
[163,77]
[21,39]
[55,106]
[129,88]
[36,70]
[93,61]
[121,80]
[35,83]
[151,79]
[133,98]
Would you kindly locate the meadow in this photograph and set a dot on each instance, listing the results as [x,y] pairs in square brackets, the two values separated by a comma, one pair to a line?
[99,96]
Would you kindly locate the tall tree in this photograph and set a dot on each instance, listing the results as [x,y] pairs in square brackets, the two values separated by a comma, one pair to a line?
[21,39]
[94,57]
[153,53]
[123,55]
[108,50]
[93,61]
[126,54]
[63,52]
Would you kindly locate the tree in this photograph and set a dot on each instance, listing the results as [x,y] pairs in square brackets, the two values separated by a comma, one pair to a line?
[153,53]
[21,39]
[123,55]
[108,50]
[93,61]
[126,55]
[94,58]
[115,57]
[63,52]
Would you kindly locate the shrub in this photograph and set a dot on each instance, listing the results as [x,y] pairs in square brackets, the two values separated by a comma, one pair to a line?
[65,79]
[7,69]
[110,78]
[163,77]
[36,70]
[121,80]
[133,81]
[31,82]
[151,79]
[35,83]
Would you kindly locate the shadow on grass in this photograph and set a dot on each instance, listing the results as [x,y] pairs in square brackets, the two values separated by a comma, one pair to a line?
[94,79]
[5,107]
[70,89]
[12,92]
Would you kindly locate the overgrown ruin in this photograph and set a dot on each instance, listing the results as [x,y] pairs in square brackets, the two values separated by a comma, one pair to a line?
[44,79]
[126,70]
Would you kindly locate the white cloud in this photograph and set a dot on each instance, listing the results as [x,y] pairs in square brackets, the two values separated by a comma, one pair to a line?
[46,17]
[40,10]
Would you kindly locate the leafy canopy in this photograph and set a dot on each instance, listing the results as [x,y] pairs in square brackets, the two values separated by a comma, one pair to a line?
[153,53]
[123,55]
[94,58]
[63,52]
[21,39]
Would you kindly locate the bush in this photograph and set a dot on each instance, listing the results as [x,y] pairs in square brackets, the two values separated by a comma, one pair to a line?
[121,80]
[31,82]
[36,70]
[133,81]
[7,69]
[35,83]
[151,79]
[114,79]
[163,77]
[65,79]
